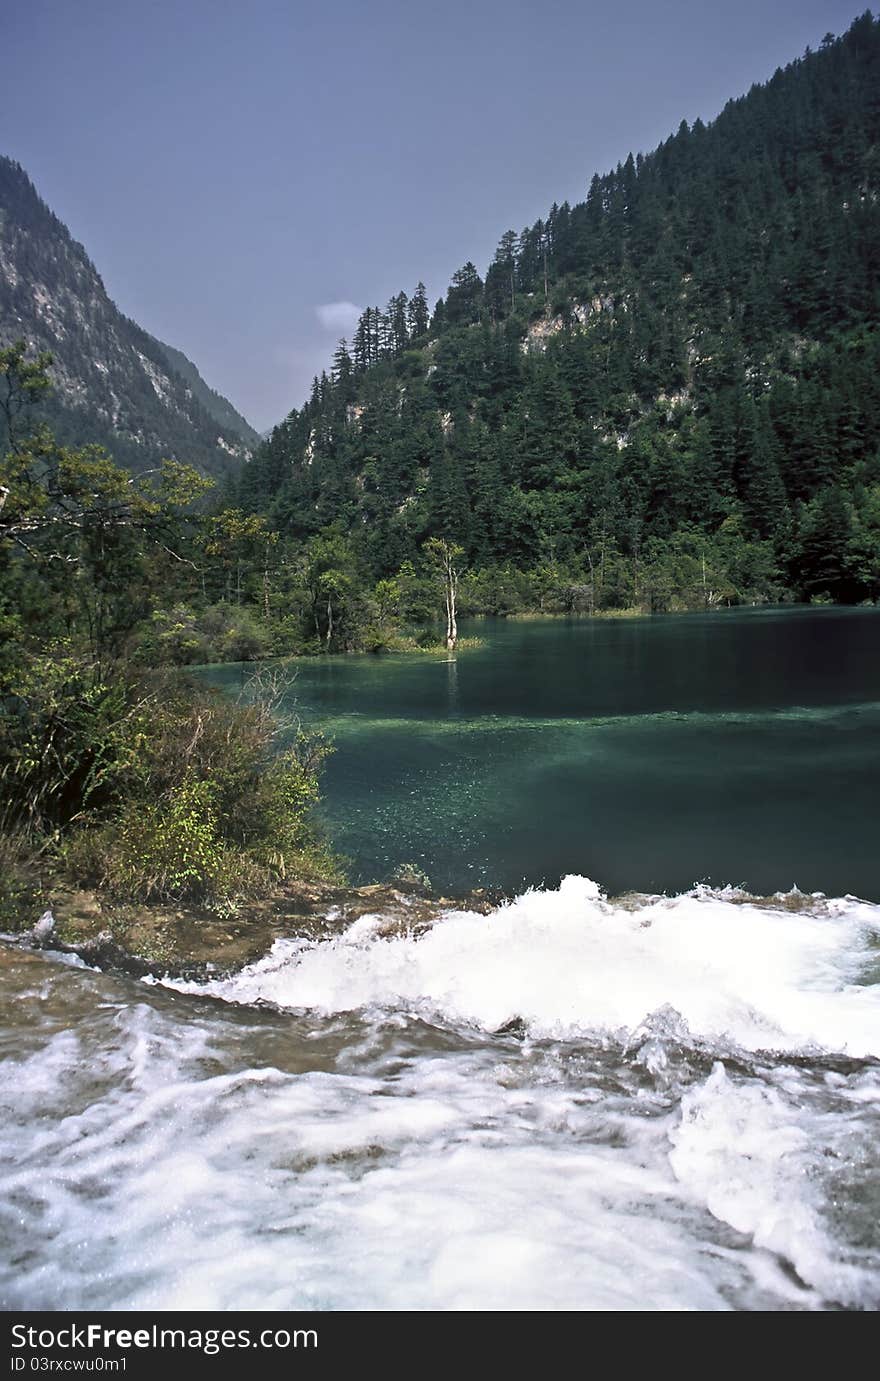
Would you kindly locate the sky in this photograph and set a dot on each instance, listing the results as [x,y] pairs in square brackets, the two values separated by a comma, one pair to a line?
[247,177]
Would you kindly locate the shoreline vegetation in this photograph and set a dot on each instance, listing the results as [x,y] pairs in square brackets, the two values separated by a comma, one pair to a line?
[187,841]
[124,780]
[164,808]
[197,846]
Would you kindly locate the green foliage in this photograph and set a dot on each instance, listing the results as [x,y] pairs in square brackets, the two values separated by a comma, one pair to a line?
[496,590]
[213,809]
[146,786]
[411,875]
[21,895]
[169,847]
[645,399]
[75,747]
[183,636]
[78,534]
[23,383]
[171,637]
[70,740]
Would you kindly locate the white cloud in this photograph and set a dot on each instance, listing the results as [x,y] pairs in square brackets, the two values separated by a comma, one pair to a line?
[341,317]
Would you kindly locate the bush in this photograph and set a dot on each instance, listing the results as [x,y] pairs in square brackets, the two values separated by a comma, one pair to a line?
[71,739]
[169,850]
[182,637]
[170,636]
[21,896]
[158,789]
[234,634]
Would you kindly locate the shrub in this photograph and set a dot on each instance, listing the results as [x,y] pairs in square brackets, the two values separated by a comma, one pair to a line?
[21,899]
[70,740]
[233,634]
[168,850]
[181,637]
[170,636]
[157,789]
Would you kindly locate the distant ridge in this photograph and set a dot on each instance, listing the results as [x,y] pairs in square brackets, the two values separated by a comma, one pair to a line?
[114,383]
[218,407]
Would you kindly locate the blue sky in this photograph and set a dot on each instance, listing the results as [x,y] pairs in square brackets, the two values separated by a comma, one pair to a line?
[244,175]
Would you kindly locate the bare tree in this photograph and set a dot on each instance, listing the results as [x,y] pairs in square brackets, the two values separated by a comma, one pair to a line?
[445,558]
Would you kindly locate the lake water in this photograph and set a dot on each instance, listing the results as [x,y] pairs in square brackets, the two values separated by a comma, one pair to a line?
[740,748]
[669,1102]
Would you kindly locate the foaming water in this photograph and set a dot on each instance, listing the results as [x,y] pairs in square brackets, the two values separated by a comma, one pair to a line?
[568,963]
[568,1104]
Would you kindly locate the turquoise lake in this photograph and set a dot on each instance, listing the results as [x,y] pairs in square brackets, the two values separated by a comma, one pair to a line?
[740,747]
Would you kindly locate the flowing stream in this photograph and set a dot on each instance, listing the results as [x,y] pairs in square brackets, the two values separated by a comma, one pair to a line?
[666,1101]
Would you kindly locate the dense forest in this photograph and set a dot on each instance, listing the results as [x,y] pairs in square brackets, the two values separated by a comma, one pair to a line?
[665,396]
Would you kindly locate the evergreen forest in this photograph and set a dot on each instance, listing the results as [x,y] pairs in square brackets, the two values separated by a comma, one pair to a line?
[665,396]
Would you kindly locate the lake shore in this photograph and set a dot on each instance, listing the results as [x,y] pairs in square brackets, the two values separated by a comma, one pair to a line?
[191,942]
[408,644]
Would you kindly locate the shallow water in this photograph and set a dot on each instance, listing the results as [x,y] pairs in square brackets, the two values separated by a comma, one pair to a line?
[565,1105]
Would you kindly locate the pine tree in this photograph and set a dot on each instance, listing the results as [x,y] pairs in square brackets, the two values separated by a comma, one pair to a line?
[464,298]
[417,313]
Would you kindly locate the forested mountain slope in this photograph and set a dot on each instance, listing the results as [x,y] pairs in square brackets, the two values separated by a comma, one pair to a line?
[665,395]
[114,383]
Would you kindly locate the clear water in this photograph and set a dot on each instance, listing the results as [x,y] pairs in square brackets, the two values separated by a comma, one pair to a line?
[671,1103]
[739,748]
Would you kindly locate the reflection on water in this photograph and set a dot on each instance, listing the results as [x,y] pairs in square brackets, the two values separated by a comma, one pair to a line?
[739,748]
[452,682]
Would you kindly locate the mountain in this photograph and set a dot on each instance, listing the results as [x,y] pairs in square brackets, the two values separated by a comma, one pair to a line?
[114,383]
[667,394]
[214,404]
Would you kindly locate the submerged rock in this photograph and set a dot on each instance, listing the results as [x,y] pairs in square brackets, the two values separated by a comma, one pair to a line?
[42,932]
[191,942]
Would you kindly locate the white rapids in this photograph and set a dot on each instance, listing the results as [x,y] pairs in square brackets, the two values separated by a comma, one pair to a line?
[568,963]
[569,1104]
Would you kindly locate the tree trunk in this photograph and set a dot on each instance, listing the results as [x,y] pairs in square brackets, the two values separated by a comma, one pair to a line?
[451,621]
